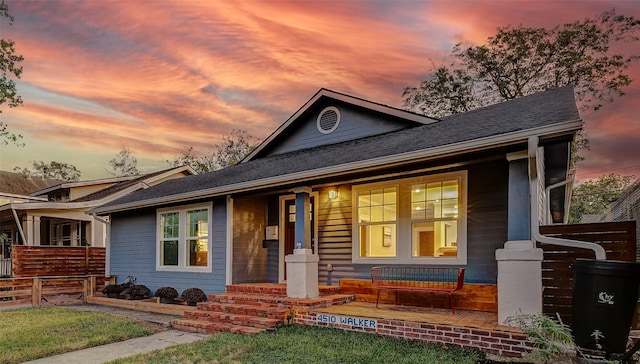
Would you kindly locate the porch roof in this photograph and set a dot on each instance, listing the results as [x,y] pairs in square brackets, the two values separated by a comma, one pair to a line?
[546,114]
[121,187]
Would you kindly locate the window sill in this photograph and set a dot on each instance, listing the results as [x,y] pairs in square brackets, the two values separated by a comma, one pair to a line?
[184,269]
[412,261]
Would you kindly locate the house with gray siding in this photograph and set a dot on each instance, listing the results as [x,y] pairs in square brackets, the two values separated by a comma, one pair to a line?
[346,184]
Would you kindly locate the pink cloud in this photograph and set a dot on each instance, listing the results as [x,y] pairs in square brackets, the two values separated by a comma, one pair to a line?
[184,74]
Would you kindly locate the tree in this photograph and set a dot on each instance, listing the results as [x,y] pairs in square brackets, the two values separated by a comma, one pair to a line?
[230,151]
[595,196]
[52,170]
[200,164]
[9,67]
[519,61]
[124,164]
[233,148]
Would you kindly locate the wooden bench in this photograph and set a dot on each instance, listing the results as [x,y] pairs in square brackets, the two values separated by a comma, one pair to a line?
[417,278]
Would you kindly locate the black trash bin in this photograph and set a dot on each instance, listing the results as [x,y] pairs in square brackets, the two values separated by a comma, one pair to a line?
[604,297]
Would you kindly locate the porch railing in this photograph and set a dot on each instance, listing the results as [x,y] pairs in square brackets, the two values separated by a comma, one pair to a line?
[5,267]
[38,261]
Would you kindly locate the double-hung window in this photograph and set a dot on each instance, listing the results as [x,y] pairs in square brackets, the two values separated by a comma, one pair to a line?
[419,220]
[184,242]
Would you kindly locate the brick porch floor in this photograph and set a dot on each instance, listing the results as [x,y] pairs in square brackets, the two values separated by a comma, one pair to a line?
[470,329]
[253,308]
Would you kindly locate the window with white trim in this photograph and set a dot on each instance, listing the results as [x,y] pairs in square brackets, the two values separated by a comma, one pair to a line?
[184,242]
[420,220]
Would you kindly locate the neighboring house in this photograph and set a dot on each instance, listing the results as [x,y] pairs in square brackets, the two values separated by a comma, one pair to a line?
[346,184]
[55,214]
[17,187]
[627,207]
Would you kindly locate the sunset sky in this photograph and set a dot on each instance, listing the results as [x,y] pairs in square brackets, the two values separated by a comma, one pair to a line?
[159,76]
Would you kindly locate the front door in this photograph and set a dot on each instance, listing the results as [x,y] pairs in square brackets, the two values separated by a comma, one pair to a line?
[289,228]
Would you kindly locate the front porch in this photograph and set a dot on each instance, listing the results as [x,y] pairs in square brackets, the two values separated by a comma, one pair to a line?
[257,307]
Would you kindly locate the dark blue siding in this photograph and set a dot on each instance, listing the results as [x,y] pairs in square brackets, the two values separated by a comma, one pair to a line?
[486,227]
[133,252]
[354,124]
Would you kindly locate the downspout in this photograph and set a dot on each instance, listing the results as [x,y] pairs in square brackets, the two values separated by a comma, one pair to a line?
[548,191]
[535,227]
[107,244]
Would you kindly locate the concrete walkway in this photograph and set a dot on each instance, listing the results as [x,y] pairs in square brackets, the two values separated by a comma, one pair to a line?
[105,353]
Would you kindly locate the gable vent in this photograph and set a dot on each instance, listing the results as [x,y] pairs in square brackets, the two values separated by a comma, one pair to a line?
[328,120]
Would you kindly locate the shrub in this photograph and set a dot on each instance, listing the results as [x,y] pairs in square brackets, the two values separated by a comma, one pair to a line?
[112,289]
[166,292]
[552,340]
[193,296]
[139,290]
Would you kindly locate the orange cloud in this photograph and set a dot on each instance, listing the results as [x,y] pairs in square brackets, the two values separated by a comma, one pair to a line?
[160,76]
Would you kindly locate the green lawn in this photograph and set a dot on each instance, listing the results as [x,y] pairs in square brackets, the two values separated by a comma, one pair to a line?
[32,333]
[303,344]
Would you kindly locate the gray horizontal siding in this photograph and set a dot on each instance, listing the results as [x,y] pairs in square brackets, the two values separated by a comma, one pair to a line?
[354,124]
[486,227]
[133,252]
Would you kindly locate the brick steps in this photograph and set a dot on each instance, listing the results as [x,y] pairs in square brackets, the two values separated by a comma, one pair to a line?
[250,309]
[274,289]
[253,308]
[246,299]
[237,319]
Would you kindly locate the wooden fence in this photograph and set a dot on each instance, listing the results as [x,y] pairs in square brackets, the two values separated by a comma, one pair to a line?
[38,261]
[36,291]
[617,238]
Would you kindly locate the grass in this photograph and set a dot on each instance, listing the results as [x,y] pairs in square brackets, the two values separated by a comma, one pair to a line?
[32,333]
[303,344]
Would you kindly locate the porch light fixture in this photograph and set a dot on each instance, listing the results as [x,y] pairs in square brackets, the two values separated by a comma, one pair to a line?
[333,194]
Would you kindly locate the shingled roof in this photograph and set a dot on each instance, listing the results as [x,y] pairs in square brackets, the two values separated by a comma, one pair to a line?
[21,184]
[519,118]
[120,186]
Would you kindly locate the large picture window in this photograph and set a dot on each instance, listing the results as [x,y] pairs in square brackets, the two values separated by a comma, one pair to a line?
[418,220]
[183,239]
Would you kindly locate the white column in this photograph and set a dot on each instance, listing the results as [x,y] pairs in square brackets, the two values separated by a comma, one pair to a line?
[28,228]
[302,265]
[302,274]
[519,279]
[36,230]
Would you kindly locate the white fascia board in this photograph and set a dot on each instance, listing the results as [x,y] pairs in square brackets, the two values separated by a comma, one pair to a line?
[74,184]
[182,169]
[22,197]
[422,119]
[41,206]
[368,164]
[70,205]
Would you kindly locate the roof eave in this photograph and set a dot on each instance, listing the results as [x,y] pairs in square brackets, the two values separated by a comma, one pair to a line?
[386,161]
[73,184]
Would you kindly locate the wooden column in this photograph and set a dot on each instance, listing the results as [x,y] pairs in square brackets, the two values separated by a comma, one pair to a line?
[36,292]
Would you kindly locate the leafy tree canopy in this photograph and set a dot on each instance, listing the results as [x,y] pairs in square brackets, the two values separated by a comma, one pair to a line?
[230,151]
[53,170]
[9,67]
[519,61]
[124,164]
[595,196]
